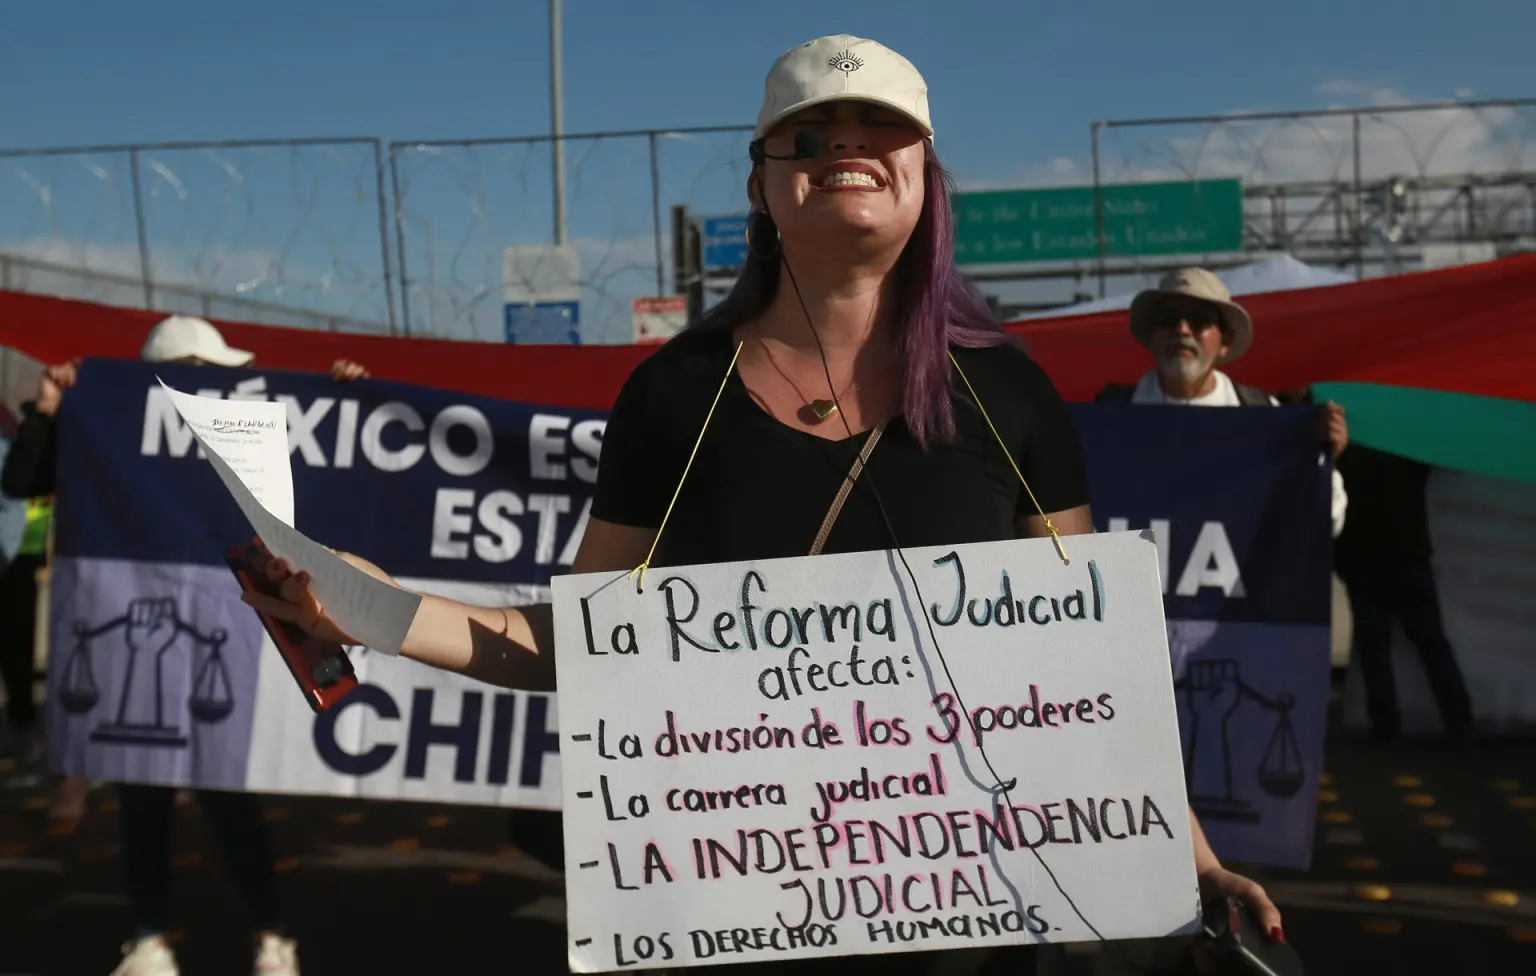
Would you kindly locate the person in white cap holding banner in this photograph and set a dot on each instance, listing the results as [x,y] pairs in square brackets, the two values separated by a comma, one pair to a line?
[1191,326]
[841,326]
[147,811]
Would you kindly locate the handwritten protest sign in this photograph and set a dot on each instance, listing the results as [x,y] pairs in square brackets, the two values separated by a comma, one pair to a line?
[871,752]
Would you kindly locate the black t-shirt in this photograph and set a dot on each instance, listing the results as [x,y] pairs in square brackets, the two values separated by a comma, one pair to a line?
[759,489]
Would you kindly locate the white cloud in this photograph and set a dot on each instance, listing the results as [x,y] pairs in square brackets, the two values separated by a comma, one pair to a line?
[105,273]
[1360,90]
[306,237]
[463,205]
[247,285]
[1057,171]
[1444,141]
[466,301]
[293,226]
[212,266]
[1441,141]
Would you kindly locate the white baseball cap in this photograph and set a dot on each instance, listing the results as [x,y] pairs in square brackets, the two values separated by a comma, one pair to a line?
[840,67]
[185,337]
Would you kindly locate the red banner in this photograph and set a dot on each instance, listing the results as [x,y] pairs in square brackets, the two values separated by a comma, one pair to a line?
[1469,330]
[54,330]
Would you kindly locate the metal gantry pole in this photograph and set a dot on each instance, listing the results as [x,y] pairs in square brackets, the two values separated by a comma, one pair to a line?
[661,284]
[145,272]
[1098,207]
[389,283]
[557,119]
[1358,222]
[399,208]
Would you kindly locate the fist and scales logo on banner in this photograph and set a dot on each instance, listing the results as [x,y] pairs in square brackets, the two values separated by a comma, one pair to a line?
[833,755]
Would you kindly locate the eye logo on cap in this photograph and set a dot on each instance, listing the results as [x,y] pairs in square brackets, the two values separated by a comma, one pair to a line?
[845,62]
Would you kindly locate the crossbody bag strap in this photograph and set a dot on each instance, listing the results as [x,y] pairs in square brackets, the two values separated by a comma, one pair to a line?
[842,493]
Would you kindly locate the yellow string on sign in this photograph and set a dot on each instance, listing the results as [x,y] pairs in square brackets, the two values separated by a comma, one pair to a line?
[640,584]
[1049,527]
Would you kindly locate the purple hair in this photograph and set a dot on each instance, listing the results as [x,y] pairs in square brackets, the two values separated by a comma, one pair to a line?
[938,306]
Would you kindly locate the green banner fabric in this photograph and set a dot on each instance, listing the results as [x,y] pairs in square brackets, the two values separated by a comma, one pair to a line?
[1484,435]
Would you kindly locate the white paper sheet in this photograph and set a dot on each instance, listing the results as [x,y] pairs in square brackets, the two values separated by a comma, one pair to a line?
[251,437]
[247,443]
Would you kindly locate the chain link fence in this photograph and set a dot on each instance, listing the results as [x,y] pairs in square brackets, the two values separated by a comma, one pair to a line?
[459,205]
[1381,189]
[351,234]
[290,232]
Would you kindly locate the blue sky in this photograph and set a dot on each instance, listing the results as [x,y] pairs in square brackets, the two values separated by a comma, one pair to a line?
[1014,84]
[1009,77]
[1020,79]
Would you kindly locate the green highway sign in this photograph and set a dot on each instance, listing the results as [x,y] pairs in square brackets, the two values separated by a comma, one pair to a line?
[1058,224]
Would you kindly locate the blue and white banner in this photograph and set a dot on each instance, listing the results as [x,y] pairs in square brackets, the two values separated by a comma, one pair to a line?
[160,674]
[1239,505]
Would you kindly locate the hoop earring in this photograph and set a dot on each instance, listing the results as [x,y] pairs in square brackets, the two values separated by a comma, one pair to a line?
[748,233]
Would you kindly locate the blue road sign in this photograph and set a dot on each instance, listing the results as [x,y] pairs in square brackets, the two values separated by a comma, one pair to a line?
[544,323]
[724,242]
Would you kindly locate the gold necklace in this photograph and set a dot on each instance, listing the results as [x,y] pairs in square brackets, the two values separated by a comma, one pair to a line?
[821,408]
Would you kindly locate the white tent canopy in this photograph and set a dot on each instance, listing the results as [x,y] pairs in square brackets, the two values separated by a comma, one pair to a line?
[1279,272]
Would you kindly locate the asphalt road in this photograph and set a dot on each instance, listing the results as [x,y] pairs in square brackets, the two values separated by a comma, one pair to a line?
[1425,863]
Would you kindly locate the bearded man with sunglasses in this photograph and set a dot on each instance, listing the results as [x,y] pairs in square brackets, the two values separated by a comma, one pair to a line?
[1190,325]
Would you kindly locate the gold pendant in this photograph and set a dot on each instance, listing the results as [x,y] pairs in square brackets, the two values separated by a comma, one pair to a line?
[823,409]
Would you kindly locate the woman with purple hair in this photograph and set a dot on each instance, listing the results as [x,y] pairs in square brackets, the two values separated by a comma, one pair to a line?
[849,326]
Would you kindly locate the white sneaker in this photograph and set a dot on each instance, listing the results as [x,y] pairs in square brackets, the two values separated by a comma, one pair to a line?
[276,956]
[147,957]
